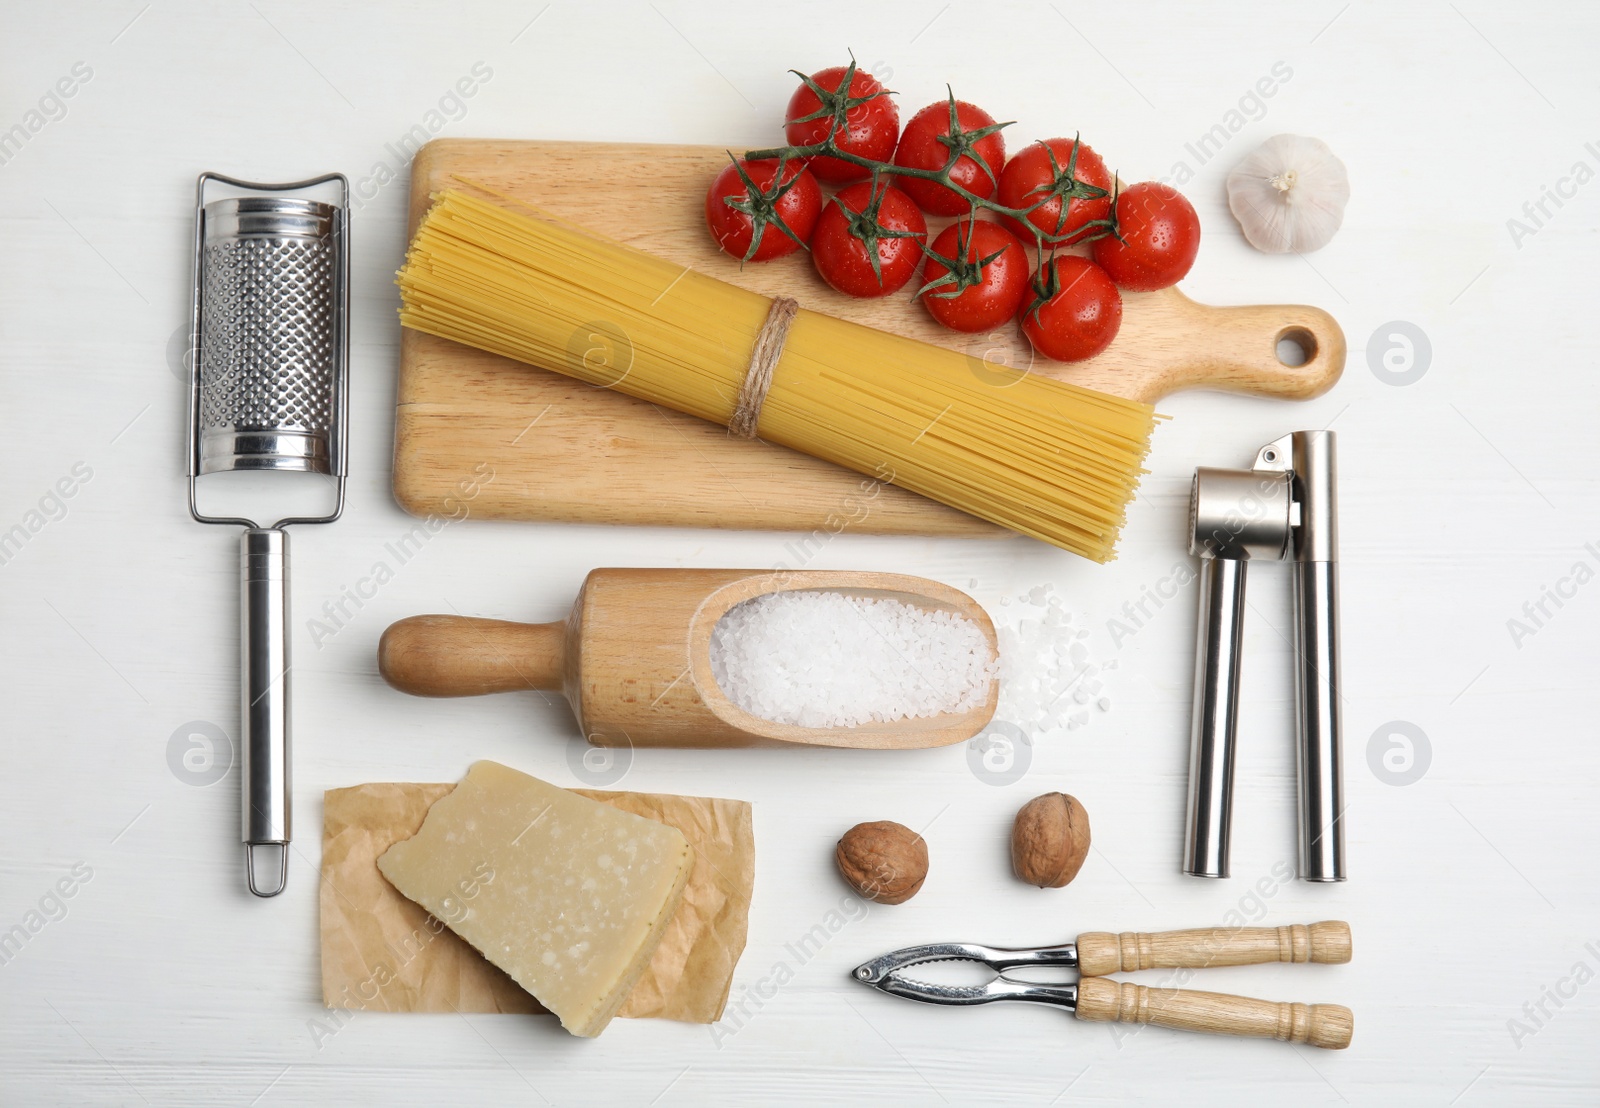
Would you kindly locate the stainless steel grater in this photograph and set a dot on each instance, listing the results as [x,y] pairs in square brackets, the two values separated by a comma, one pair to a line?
[268,389]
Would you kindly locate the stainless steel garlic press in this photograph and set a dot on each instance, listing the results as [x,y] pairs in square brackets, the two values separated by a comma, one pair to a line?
[1098,998]
[271,348]
[1283,508]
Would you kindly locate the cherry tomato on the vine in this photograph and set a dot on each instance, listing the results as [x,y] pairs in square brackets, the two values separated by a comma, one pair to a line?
[935,133]
[1068,182]
[987,281]
[749,227]
[868,240]
[871,121]
[1076,313]
[1160,235]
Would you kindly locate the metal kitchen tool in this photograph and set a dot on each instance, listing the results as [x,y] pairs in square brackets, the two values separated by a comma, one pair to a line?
[634,658]
[1094,997]
[1284,508]
[270,335]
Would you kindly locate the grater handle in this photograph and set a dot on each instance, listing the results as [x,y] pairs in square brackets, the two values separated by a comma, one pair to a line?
[264,688]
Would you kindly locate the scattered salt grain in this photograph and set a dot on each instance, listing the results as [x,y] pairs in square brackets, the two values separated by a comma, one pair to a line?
[1046,665]
[824,659]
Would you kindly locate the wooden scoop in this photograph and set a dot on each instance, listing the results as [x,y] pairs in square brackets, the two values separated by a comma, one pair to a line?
[634,658]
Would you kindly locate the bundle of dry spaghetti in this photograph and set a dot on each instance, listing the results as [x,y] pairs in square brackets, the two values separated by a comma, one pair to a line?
[1041,457]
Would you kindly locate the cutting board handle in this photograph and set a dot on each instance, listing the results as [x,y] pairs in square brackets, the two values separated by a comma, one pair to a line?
[1238,351]
[466,656]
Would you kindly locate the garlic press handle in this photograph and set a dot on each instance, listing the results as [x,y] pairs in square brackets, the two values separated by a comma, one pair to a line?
[1235,517]
[1219,638]
[1318,731]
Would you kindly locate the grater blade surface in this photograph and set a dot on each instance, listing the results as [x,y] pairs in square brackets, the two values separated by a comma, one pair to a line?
[268,356]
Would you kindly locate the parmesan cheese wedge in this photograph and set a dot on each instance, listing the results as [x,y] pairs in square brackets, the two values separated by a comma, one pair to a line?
[567,895]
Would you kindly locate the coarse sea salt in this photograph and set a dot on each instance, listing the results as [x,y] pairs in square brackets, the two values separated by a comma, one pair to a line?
[827,659]
[1047,672]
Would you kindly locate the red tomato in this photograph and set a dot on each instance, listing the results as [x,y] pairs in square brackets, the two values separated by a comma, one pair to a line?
[748,209]
[984,273]
[1048,171]
[1159,237]
[933,137]
[867,241]
[871,121]
[1075,312]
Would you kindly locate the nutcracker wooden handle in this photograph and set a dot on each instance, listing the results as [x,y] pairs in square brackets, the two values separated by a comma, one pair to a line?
[1322,1025]
[1101,952]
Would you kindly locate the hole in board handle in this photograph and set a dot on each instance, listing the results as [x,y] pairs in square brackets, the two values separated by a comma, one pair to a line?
[1295,347]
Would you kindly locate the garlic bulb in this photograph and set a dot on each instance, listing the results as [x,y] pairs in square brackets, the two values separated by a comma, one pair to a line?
[1289,194]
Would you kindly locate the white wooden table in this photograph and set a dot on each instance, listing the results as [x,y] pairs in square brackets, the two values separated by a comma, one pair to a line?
[1468,493]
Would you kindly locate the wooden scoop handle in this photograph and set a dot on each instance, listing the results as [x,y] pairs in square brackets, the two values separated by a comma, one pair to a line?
[1100,952]
[1325,1025]
[466,656]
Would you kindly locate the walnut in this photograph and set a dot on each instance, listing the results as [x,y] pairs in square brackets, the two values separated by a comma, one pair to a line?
[883,861]
[1050,840]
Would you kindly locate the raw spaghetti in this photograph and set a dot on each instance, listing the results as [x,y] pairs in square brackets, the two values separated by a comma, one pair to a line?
[1044,458]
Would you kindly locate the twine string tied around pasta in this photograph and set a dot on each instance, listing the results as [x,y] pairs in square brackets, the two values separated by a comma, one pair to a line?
[763,360]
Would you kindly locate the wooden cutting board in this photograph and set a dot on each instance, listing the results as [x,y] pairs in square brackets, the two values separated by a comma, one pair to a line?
[509,441]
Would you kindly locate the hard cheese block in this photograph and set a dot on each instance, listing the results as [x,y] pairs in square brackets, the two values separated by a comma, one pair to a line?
[567,895]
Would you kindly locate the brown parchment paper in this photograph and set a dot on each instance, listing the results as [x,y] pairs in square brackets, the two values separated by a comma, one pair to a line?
[382,952]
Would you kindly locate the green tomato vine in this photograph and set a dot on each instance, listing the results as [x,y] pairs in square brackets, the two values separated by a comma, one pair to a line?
[836,104]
